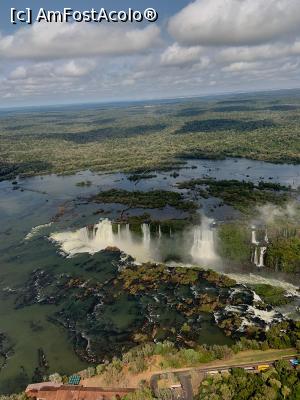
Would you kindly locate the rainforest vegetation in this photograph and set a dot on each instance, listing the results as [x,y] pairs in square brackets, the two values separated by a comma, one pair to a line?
[242,195]
[284,254]
[130,137]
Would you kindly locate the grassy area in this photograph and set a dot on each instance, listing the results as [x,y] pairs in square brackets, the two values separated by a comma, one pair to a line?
[253,356]
[135,137]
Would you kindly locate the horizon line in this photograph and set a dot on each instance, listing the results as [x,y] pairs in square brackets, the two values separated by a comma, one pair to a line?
[111,102]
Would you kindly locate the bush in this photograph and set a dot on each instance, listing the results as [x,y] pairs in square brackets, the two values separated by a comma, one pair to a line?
[100,369]
[164,348]
[56,378]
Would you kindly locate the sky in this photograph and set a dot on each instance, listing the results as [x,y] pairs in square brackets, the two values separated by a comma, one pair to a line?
[194,48]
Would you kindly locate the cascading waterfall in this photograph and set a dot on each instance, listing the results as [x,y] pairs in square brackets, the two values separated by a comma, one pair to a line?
[159,232]
[266,237]
[94,238]
[146,235]
[260,248]
[261,256]
[90,231]
[255,257]
[127,234]
[105,232]
[253,238]
[203,243]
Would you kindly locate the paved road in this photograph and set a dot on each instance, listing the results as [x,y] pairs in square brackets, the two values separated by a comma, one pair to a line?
[184,375]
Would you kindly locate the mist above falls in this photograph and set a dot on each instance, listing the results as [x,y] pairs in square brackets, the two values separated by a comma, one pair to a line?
[196,244]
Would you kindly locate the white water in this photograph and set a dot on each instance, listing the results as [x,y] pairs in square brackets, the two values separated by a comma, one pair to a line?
[35,230]
[146,236]
[251,312]
[159,232]
[261,256]
[253,238]
[94,238]
[266,237]
[203,248]
[256,297]
[258,259]
[98,237]
[255,258]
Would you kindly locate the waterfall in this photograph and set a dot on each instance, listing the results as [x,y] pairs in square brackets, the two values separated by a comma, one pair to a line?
[127,234]
[94,238]
[260,248]
[104,233]
[91,231]
[203,242]
[253,238]
[266,236]
[146,235]
[255,256]
[261,256]
[143,248]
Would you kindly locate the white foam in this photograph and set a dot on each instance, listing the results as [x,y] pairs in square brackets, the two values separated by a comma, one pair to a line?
[92,239]
[203,248]
[36,229]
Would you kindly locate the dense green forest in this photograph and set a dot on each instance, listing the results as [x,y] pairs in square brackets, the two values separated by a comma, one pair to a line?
[280,382]
[150,136]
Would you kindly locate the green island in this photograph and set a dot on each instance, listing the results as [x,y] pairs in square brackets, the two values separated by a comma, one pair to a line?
[151,199]
[242,195]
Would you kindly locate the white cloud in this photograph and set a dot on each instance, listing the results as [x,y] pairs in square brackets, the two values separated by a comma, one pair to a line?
[64,40]
[18,73]
[263,52]
[52,70]
[75,69]
[176,55]
[235,22]
[241,67]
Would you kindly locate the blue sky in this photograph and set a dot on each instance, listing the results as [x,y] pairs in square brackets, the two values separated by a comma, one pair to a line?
[194,48]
